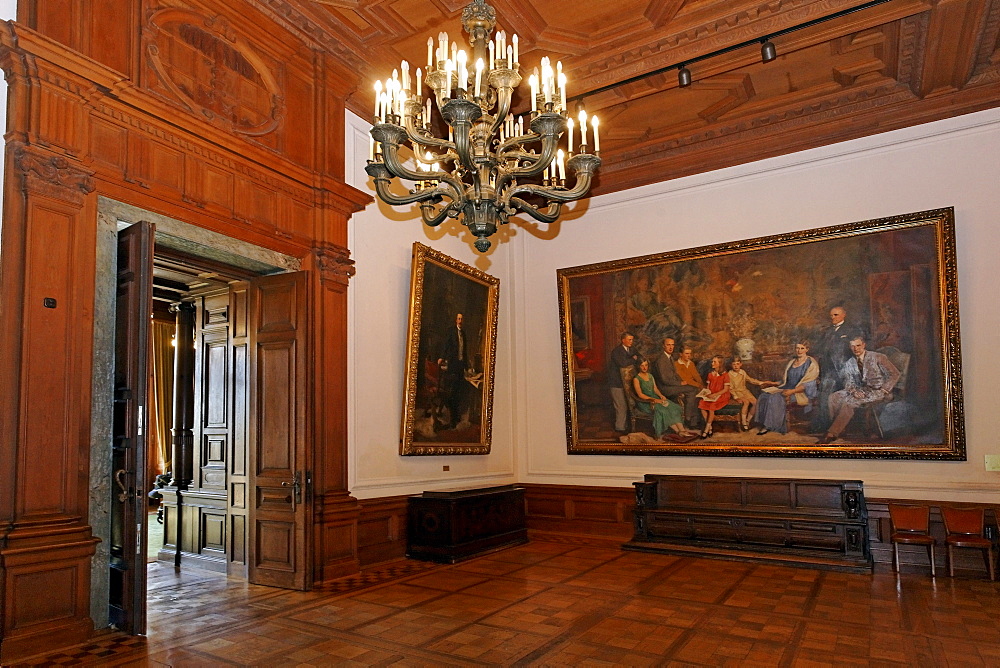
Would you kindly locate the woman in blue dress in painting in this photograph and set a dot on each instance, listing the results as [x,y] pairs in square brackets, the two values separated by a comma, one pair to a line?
[667,416]
[798,385]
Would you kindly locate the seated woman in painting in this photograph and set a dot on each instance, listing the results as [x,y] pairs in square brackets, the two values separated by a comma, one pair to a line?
[666,414]
[716,393]
[798,385]
[738,379]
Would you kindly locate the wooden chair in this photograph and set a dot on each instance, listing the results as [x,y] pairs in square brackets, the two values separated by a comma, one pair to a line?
[964,528]
[910,526]
[873,411]
[634,415]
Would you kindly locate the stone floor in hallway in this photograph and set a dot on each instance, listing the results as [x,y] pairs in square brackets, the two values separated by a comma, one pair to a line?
[563,603]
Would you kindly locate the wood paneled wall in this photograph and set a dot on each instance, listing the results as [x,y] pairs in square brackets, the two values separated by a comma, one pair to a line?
[217,113]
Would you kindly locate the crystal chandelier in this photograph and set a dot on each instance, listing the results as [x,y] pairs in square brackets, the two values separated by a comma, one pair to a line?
[493,164]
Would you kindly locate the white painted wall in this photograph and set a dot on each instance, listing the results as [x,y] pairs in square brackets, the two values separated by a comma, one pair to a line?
[948,163]
[381,241]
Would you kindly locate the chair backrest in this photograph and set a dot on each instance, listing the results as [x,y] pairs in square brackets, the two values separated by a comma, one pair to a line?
[967,521]
[628,373]
[910,518]
[901,361]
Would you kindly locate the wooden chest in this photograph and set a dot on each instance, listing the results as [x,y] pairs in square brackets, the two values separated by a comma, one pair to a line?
[452,525]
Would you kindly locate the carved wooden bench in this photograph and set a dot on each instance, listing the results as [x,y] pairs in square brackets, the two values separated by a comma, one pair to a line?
[808,523]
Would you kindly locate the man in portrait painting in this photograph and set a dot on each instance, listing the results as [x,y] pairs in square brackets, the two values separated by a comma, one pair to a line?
[671,384]
[621,357]
[453,362]
[869,377]
[832,350]
[687,371]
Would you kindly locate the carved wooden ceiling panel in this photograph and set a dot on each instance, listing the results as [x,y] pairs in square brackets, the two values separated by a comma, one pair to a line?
[884,67]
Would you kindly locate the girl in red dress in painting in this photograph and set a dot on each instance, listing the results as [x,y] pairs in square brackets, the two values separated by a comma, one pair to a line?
[715,395]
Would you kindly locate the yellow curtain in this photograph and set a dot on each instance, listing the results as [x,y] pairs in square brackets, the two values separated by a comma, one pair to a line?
[161,403]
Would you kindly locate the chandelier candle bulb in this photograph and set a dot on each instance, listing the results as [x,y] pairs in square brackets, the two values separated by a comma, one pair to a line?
[569,136]
[430,53]
[514,41]
[562,91]
[378,96]
[463,74]
[583,129]
[492,47]
[597,136]
[533,84]
[419,89]
[561,163]
[405,66]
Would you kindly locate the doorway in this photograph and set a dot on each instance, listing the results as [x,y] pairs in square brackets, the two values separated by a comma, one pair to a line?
[223,296]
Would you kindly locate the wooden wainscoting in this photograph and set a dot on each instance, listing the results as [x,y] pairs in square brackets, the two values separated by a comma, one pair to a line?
[382,529]
[575,510]
[604,514]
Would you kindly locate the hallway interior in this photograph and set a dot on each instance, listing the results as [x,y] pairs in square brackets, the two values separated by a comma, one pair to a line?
[563,603]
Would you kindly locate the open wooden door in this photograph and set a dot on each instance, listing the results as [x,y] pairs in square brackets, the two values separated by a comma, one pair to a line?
[134,306]
[279,465]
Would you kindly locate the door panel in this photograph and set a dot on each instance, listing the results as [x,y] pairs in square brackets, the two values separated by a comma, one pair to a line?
[278,432]
[134,305]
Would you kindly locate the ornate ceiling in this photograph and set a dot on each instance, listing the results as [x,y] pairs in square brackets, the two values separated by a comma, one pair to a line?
[888,66]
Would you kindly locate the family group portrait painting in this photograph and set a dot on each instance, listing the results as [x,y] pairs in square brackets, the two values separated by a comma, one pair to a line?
[835,342]
[448,398]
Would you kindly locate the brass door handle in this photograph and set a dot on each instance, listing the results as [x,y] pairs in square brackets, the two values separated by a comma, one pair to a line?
[123,495]
[296,484]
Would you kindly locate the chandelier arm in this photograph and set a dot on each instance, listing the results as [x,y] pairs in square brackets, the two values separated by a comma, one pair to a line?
[583,179]
[550,215]
[503,108]
[436,218]
[425,140]
[397,169]
[382,188]
[536,163]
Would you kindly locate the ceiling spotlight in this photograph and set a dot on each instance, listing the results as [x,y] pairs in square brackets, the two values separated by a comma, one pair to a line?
[683,77]
[767,51]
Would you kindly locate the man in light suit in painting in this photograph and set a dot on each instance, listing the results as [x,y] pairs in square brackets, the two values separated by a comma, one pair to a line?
[868,377]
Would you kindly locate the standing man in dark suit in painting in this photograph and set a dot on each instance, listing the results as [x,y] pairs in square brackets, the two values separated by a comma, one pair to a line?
[454,361]
[833,349]
[621,357]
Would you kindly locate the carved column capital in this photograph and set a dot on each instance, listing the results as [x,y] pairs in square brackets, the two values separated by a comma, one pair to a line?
[52,175]
[334,263]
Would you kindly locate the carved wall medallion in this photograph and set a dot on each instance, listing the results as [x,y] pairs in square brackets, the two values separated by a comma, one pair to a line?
[210,69]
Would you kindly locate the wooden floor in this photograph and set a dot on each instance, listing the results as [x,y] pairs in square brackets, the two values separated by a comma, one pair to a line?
[564,604]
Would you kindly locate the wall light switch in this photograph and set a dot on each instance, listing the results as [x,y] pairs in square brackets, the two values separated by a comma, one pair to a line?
[448,468]
[993,462]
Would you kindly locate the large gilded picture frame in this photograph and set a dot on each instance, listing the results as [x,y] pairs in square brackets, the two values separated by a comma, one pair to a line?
[451,346]
[839,342]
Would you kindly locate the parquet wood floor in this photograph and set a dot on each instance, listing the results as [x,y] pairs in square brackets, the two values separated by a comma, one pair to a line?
[564,603]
